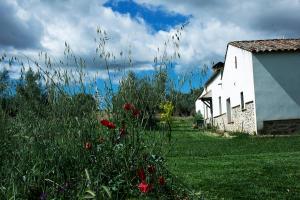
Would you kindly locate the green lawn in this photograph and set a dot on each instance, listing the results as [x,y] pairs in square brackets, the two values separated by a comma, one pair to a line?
[236,168]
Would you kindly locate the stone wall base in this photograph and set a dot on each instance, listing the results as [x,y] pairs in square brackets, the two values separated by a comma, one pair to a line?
[281,127]
[242,120]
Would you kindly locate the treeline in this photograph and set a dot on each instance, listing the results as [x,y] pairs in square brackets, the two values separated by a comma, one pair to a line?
[28,96]
[149,92]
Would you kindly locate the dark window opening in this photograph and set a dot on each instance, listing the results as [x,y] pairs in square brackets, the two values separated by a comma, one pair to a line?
[228,105]
[235,62]
[242,101]
[220,105]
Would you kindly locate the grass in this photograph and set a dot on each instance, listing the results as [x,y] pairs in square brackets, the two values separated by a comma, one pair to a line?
[241,167]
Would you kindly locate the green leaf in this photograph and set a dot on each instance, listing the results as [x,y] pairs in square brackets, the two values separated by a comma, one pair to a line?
[87,175]
[90,195]
[107,191]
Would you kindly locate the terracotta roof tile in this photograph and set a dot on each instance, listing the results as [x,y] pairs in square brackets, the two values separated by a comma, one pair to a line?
[268,45]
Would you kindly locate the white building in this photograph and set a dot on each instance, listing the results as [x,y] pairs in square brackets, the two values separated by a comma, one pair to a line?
[256,90]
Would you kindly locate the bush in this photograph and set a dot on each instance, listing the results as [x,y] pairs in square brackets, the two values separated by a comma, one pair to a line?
[198,116]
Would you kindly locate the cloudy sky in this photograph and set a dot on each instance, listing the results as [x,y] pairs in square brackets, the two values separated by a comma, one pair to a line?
[29,26]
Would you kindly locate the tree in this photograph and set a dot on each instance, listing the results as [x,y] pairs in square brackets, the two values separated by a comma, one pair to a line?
[29,95]
[185,102]
[4,81]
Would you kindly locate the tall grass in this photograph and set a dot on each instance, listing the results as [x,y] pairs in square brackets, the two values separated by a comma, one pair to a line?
[64,138]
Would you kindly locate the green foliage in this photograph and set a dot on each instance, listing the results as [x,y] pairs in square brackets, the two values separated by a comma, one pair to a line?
[167,112]
[150,93]
[185,102]
[50,156]
[198,118]
[58,148]
[60,139]
[166,115]
[29,96]
[4,81]
[146,93]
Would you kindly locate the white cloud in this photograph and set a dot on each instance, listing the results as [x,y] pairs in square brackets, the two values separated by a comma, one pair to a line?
[213,25]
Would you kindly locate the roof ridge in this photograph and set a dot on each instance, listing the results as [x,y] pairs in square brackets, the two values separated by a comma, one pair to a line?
[292,44]
[263,40]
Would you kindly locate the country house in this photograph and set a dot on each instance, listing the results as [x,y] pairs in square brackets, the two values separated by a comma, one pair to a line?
[256,89]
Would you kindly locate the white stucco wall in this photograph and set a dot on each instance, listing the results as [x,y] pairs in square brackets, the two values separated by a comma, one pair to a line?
[277,86]
[200,106]
[231,82]
[237,80]
[216,87]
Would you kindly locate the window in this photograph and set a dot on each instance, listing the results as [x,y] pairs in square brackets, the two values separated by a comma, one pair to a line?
[228,105]
[235,62]
[242,101]
[220,105]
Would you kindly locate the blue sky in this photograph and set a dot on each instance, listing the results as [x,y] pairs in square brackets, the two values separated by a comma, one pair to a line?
[157,17]
[141,27]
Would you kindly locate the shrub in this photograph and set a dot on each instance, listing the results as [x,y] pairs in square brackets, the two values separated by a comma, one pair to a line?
[198,116]
[166,115]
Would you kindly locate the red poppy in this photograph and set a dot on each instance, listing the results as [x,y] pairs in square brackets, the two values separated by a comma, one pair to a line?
[161,180]
[104,122]
[136,112]
[88,145]
[128,106]
[144,187]
[141,174]
[108,124]
[111,126]
[151,169]
[122,132]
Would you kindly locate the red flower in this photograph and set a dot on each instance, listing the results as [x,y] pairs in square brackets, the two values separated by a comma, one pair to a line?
[108,124]
[104,122]
[111,126]
[161,180]
[136,112]
[144,187]
[151,169]
[122,132]
[128,106]
[88,145]
[141,174]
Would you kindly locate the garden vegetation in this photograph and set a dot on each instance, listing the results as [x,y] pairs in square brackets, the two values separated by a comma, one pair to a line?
[64,138]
